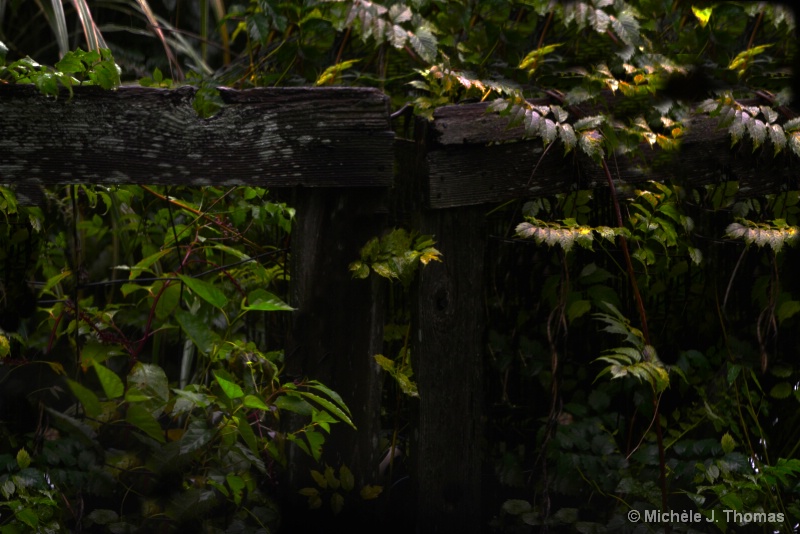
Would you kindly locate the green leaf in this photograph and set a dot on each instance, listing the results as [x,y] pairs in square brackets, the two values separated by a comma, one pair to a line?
[516,506]
[333,74]
[28,516]
[703,14]
[577,309]
[149,379]
[728,443]
[732,501]
[330,477]
[168,301]
[197,330]
[733,372]
[337,503]
[247,434]
[781,390]
[319,478]
[87,398]
[315,384]
[207,101]
[145,264]
[346,478]
[141,418]
[787,310]
[266,301]
[251,401]
[196,437]
[231,389]
[385,363]
[294,404]
[208,292]
[328,405]
[781,371]
[112,385]
[315,442]
[23,459]
[370,492]
[70,64]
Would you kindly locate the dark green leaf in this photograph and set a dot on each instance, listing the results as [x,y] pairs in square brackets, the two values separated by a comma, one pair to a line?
[141,418]
[231,389]
[294,404]
[87,398]
[197,330]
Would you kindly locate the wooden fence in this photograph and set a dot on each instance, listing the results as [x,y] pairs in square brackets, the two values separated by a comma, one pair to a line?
[336,150]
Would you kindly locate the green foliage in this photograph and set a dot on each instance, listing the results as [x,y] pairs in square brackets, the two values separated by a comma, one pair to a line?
[337,489]
[176,407]
[75,68]
[775,235]
[395,256]
[587,451]
[600,436]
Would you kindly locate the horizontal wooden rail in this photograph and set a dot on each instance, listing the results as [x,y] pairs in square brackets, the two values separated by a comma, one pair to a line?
[473,157]
[334,137]
[320,137]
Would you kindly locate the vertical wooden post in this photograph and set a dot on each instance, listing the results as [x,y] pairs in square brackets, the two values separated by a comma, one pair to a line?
[447,352]
[338,325]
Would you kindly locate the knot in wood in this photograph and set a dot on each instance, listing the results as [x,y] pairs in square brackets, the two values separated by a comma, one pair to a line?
[442,299]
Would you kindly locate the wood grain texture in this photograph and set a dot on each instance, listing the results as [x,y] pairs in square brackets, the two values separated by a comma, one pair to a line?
[318,137]
[447,352]
[336,330]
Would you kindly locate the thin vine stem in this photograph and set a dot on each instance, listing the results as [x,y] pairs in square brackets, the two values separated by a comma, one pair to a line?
[662,465]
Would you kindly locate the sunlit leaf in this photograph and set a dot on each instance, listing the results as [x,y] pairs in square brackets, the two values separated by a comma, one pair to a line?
[703,14]
[112,385]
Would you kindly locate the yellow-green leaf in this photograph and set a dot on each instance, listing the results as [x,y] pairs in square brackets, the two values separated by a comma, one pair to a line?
[337,503]
[319,478]
[112,385]
[23,459]
[333,482]
[346,477]
[727,442]
[703,14]
[370,492]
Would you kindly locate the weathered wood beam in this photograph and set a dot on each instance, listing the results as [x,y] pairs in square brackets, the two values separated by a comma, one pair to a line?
[317,137]
[474,158]
[447,352]
[336,330]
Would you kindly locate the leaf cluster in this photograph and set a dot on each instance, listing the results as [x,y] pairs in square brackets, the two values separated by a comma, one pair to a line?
[396,256]
[177,406]
[75,68]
